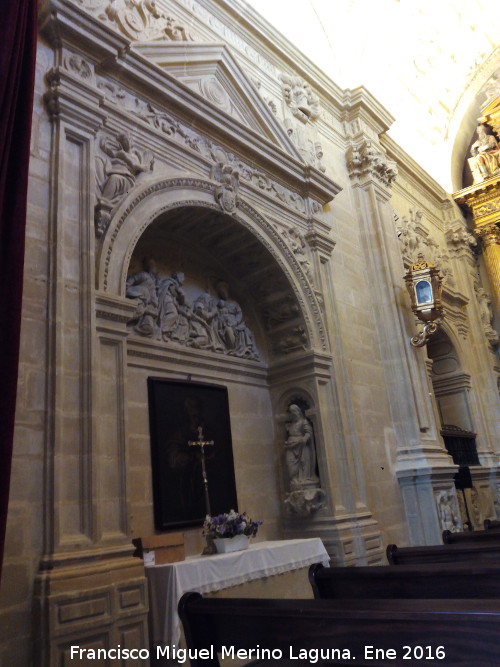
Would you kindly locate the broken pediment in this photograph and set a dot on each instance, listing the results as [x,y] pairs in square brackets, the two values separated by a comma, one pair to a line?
[211,71]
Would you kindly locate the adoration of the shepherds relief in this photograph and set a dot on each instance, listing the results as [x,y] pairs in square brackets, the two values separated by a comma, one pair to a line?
[212,322]
[304,496]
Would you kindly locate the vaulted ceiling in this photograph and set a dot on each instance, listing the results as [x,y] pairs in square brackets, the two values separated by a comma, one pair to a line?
[432,64]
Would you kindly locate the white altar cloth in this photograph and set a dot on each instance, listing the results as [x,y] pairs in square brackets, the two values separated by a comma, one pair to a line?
[205,574]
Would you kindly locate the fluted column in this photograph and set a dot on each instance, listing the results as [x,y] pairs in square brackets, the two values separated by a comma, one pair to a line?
[490,235]
[483,200]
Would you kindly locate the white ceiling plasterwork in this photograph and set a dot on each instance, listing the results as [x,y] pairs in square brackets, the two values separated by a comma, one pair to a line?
[427,62]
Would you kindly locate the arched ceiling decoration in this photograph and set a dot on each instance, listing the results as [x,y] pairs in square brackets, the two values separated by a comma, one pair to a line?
[431,64]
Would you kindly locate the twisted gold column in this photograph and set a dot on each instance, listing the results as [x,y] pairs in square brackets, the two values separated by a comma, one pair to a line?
[490,235]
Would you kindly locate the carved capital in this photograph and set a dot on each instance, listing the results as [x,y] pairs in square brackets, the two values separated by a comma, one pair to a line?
[460,242]
[366,159]
[489,234]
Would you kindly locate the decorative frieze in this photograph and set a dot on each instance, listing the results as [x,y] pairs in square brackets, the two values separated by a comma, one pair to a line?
[139,20]
[168,125]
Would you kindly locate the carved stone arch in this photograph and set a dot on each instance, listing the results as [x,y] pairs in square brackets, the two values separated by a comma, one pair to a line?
[168,196]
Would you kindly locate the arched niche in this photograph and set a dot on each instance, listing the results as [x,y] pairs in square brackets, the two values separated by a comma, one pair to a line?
[256,251]
[179,225]
[450,383]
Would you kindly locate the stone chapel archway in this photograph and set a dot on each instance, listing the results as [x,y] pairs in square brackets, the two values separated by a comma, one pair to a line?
[178,226]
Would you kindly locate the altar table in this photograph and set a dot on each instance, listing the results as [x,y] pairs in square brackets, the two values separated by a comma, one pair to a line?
[205,574]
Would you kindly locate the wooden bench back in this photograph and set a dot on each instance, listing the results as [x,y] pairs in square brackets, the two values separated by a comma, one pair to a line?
[444,553]
[443,580]
[471,536]
[468,631]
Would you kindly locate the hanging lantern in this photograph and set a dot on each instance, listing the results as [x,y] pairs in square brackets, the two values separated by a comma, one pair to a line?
[424,284]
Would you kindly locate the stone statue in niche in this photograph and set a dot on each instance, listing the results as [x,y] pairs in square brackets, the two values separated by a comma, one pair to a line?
[142,287]
[305,497]
[447,513]
[300,450]
[485,152]
[117,173]
[213,323]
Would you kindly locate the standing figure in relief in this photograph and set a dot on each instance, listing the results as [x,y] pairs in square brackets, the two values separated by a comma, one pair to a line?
[142,286]
[299,449]
[117,173]
[485,152]
[169,299]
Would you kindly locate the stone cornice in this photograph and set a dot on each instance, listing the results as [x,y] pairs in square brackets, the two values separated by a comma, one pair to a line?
[360,104]
[413,171]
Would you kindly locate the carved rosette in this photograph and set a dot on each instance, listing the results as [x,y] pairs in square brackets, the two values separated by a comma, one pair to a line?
[365,159]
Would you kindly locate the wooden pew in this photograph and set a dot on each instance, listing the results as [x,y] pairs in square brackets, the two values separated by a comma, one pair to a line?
[429,581]
[349,632]
[444,553]
[471,536]
[491,524]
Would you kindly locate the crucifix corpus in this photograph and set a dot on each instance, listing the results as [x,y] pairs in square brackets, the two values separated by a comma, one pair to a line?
[202,443]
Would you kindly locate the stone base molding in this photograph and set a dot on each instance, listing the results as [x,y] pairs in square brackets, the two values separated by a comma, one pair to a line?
[92,600]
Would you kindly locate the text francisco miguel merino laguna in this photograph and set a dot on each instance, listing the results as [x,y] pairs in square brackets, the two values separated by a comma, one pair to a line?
[182,654]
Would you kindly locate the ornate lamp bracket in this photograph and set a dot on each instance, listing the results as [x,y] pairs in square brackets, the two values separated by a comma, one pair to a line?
[424,285]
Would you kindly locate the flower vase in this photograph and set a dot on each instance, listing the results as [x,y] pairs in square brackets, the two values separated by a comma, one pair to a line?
[226,545]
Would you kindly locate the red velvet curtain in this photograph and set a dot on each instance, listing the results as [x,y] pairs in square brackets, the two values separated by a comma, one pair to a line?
[17,69]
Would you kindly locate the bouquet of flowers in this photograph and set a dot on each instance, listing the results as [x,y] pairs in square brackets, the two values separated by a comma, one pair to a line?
[230,525]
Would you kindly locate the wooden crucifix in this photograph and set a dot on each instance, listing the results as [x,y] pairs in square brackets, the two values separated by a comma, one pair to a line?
[202,443]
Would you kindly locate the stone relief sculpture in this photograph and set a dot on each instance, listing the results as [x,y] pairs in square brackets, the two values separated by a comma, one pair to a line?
[486,314]
[185,136]
[163,312]
[138,19]
[447,511]
[485,152]
[305,495]
[367,158]
[142,287]
[117,173]
[301,109]
[226,194]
